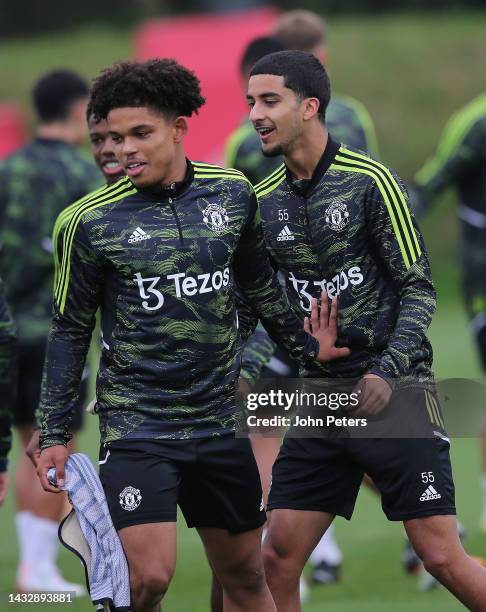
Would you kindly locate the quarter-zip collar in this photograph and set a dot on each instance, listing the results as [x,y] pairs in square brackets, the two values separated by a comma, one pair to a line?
[171,191]
[303,187]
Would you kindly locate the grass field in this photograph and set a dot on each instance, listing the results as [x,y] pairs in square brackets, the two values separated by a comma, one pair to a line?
[373,579]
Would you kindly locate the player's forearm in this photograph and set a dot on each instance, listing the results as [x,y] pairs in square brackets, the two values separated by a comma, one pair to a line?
[8,385]
[247,319]
[277,317]
[67,349]
[256,354]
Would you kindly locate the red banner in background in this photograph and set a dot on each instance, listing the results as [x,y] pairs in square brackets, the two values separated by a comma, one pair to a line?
[12,129]
[212,46]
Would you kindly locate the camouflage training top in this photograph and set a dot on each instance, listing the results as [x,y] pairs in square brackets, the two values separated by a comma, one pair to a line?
[460,161]
[346,119]
[8,380]
[36,183]
[160,264]
[348,230]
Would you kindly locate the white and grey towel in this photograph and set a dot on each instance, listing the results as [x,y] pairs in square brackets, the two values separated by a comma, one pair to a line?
[101,552]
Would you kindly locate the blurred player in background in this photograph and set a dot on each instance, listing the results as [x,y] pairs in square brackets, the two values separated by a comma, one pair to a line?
[103,149]
[36,183]
[243,150]
[460,162]
[8,382]
[348,119]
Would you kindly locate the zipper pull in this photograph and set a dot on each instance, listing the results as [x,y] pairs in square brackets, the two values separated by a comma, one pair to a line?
[170,200]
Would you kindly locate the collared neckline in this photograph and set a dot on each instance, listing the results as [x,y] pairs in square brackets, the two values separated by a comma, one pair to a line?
[173,190]
[304,186]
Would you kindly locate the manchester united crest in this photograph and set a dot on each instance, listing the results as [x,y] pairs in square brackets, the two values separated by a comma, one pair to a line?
[216,218]
[337,216]
[130,498]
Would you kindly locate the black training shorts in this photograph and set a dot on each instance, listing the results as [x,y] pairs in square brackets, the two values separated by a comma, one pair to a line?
[214,481]
[413,474]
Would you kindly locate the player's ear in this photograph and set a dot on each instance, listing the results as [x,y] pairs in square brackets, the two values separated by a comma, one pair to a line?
[180,128]
[310,108]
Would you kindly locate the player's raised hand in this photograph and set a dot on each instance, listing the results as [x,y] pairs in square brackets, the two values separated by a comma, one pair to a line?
[323,326]
[56,457]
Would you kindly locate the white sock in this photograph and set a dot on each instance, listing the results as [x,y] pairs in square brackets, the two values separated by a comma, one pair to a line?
[327,550]
[23,522]
[43,533]
[483,487]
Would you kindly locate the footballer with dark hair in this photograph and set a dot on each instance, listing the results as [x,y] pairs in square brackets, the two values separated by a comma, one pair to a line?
[354,237]
[159,252]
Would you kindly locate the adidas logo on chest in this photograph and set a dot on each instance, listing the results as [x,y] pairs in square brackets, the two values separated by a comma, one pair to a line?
[285,234]
[138,235]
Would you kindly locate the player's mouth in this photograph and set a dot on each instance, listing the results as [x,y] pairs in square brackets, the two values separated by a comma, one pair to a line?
[112,167]
[265,133]
[135,168]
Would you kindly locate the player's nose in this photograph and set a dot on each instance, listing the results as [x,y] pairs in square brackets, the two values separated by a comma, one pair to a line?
[256,113]
[129,147]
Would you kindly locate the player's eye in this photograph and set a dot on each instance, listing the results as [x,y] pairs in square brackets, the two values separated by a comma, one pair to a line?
[116,139]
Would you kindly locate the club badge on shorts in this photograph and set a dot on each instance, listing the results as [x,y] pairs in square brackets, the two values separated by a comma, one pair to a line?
[130,498]
[337,216]
[215,217]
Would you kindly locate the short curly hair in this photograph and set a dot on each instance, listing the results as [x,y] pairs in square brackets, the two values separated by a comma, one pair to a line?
[160,84]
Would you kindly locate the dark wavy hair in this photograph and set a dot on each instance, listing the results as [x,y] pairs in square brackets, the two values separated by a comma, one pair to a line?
[303,74]
[160,84]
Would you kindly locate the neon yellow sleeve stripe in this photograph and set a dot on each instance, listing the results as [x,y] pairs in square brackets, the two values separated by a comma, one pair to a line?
[208,168]
[387,203]
[270,188]
[237,177]
[270,177]
[212,167]
[104,192]
[454,133]
[396,192]
[61,221]
[117,191]
[234,141]
[121,192]
[366,122]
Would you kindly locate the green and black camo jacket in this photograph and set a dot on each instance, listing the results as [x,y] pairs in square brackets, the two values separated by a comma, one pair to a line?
[349,231]
[161,266]
[36,183]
